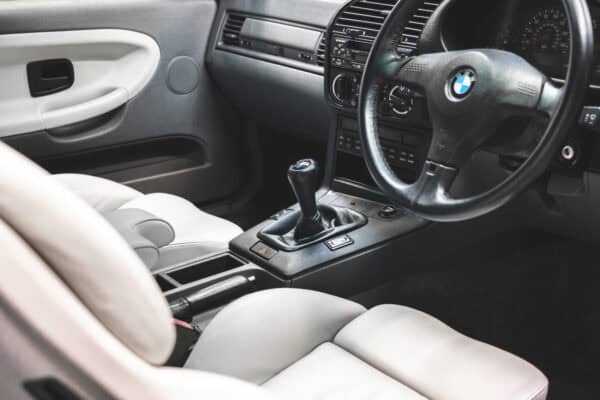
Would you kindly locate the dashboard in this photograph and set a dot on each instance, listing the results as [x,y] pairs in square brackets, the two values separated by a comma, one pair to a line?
[264,64]
[537,30]
[351,35]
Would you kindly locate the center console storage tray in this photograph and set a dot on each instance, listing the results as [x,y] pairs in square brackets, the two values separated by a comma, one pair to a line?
[211,282]
[205,268]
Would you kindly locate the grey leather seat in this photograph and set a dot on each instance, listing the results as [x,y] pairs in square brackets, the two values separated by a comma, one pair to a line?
[309,345]
[192,234]
[79,306]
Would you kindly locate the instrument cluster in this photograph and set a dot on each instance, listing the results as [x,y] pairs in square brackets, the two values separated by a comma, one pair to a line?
[537,30]
[542,37]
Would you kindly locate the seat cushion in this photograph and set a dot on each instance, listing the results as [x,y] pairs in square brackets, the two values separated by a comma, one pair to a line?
[304,344]
[196,233]
[257,336]
[435,360]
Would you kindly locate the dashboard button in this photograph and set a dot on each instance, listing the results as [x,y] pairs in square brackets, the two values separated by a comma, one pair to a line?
[388,212]
[339,242]
[263,250]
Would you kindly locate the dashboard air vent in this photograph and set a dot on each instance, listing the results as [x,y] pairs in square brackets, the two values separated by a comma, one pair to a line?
[364,18]
[321,51]
[411,33]
[232,29]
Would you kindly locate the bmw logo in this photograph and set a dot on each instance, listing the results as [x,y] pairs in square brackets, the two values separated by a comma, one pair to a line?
[462,83]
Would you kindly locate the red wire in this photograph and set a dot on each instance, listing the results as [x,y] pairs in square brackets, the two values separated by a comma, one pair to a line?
[183,324]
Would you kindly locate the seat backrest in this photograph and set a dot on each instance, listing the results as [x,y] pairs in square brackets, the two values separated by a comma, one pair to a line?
[87,254]
[77,304]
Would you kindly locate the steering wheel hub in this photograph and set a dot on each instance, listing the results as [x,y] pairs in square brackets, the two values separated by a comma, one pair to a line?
[461,84]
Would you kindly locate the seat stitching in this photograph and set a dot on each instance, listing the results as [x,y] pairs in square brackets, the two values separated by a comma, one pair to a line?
[358,358]
[383,372]
[315,347]
[295,361]
[530,397]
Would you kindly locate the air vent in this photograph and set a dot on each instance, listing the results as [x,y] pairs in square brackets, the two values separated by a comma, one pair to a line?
[364,18]
[232,29]
[321,51]
[411,33]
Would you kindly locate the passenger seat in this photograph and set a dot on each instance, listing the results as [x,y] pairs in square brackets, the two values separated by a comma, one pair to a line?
[163,229]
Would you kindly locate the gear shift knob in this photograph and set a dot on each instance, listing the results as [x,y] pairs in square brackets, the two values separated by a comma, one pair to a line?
[303,176]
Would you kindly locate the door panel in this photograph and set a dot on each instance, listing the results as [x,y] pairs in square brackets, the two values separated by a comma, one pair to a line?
[142,109]
[108,68]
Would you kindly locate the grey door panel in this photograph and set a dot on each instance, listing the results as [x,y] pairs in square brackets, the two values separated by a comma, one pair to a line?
[178,135]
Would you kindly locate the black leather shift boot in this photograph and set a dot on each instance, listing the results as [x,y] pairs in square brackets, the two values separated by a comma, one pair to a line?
[283,235]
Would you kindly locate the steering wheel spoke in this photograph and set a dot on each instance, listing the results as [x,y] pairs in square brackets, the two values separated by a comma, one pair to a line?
[455,140]
[415,71]
[535,97]
[550,99]
[433,184]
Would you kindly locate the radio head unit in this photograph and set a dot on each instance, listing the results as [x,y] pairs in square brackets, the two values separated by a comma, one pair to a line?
[349,53]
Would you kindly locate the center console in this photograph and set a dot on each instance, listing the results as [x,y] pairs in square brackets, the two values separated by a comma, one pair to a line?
[348,187]
[402,112]
[334,237]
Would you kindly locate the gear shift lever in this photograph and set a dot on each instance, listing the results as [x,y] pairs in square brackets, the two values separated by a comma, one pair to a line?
[303,176]
[314,222]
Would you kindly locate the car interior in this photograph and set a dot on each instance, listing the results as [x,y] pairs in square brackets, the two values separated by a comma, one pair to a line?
[301,199]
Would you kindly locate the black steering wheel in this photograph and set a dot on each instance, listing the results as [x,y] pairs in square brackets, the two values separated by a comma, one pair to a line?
[468,94]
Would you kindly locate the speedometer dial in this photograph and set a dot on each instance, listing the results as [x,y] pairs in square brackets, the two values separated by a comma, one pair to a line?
[545,40]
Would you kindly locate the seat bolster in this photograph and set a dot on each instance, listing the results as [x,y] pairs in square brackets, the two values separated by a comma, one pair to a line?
[144,248]
[435,360]
[191,225]
[145,233]
[100,193]
[263,333]
[156,230]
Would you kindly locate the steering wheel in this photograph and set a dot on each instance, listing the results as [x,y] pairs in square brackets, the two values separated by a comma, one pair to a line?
[469,94]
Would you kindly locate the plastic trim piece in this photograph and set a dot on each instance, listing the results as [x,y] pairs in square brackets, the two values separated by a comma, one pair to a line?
[111,66]
[283,35]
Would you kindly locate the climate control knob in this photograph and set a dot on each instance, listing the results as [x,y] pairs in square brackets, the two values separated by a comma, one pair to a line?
[401,100]
[345,89]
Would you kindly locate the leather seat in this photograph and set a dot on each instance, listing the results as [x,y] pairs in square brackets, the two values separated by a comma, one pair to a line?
[79,307]
[309,345]
[195,233]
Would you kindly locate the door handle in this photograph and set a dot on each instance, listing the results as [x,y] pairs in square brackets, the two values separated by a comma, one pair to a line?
[49,76]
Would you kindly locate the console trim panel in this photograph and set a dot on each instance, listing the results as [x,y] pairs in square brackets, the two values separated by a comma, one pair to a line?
[290,265]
